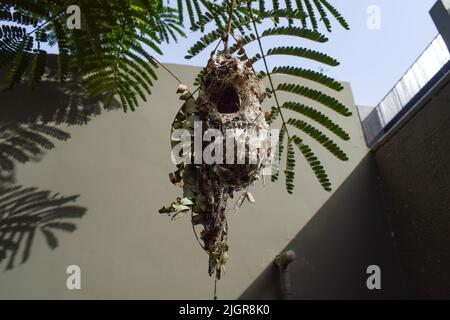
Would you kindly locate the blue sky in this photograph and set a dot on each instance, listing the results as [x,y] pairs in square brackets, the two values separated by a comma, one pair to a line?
[372,60]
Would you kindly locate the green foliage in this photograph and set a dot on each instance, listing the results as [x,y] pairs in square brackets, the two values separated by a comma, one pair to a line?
[317,116]
[313,162]
[300,53]
[334,12]
[290,167]
[204,42]
[308,75]
[319,7]
[319,136]
[198,79]
[282,31]
[274,113]
[300,20]
[111,56]
[317,96]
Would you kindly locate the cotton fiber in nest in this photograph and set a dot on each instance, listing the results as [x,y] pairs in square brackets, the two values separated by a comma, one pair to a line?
[231,148]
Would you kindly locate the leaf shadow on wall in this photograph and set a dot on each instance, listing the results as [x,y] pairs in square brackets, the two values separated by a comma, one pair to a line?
[31,120]
[30,123]
[26,211]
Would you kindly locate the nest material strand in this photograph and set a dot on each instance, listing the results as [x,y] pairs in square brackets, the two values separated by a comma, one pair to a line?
[229,99]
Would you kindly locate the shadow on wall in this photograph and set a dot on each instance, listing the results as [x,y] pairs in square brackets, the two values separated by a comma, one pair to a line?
[414,164]
[51,102]
[28,121]
[348,234]
[24,212]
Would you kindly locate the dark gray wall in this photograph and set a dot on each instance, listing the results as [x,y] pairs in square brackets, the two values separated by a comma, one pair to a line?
[349,233]
[414,164]
[441,17]
[372,127]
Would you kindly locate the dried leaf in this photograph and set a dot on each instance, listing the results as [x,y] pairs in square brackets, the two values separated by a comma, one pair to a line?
[186,95]
[239,201]
[186,202]
[166,210]
[250,197]
[177,178]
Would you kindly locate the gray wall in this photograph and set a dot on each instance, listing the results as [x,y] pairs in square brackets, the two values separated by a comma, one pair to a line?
[372,127]
[441,17]
[118,164]
[414,163]
[349,233]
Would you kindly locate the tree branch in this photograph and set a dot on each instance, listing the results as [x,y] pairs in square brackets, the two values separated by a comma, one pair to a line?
[229,26]
[249,6]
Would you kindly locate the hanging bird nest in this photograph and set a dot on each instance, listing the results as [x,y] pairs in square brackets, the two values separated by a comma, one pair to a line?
[229,102]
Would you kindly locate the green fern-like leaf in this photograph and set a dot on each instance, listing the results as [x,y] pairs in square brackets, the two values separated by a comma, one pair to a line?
[316,95]
[308,75]
[301,53]
[312,8]
[296,32]
[203,43]
[336,14]
[190,9]
[314,163]
[323,15]
[199,78]
[274,113]
[301,8]
[282,31]
[320,137]
[318,117]
[112,58]
[311,14]
[290,167]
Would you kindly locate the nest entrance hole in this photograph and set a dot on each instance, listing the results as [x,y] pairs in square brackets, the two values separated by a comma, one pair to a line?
[228,101]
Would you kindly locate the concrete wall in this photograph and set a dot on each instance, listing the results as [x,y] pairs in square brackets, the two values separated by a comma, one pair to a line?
[334,249]
[118,164]
[441,17]
[372,127]
[414,163]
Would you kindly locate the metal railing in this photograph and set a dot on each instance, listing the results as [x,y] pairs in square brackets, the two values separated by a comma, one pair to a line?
[407,91]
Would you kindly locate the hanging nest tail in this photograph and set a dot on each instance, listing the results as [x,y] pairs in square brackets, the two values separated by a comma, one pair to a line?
[229,101]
